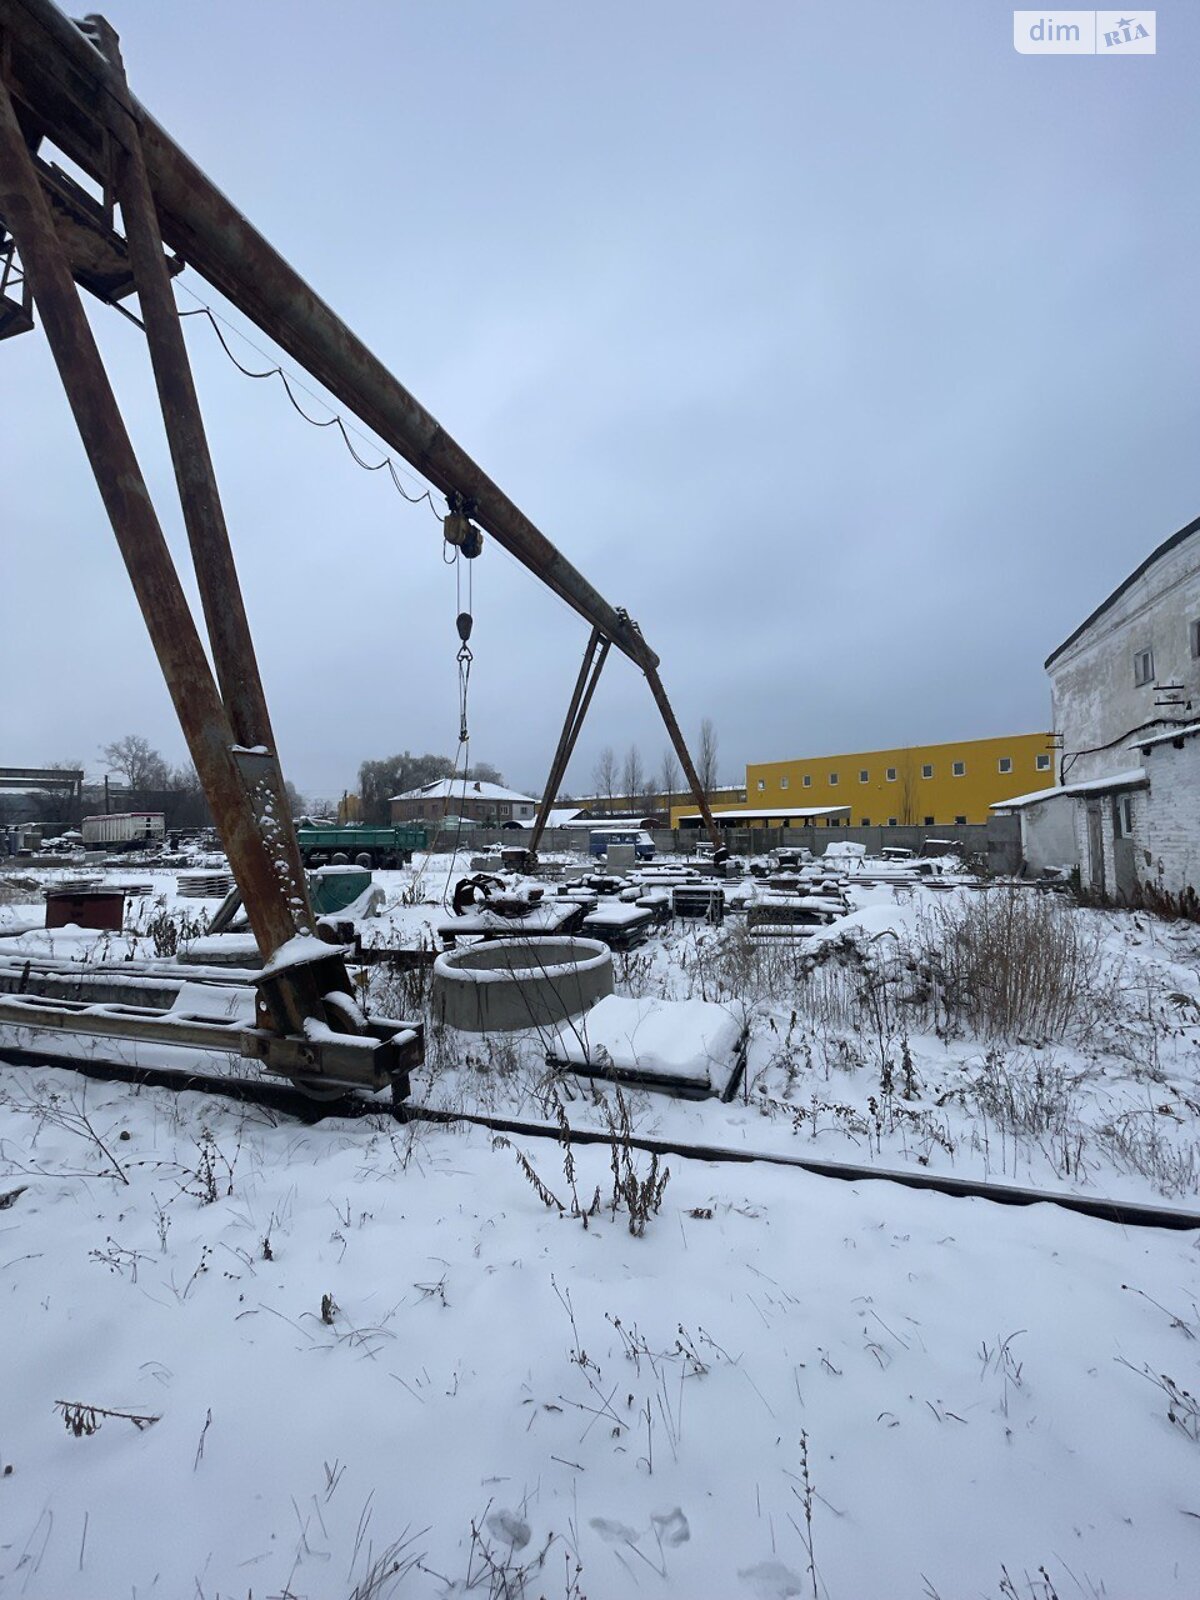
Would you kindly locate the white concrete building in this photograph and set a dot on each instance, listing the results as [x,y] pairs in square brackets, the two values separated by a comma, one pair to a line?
[472,798]
[1166,820]
[1133,668]
[1126,694]
[1089,825]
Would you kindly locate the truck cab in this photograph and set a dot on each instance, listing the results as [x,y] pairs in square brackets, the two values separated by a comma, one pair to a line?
[599,840]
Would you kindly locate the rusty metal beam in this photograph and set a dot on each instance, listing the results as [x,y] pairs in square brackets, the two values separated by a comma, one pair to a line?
[581,699]
[204,517]
[147,559]
[388,1050]
[68,92]
[681,750]
[47,778]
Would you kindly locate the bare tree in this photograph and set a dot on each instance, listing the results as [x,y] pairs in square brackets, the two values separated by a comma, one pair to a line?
[137,761]
[379,780]
[485,772]
[55,807]
[706,756]
[184,779]
[908,789]
[182,798]
[604,774]
[632,774]
[668,775]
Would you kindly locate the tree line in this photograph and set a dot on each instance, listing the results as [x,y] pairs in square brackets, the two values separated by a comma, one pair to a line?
[137,777]
[378,781]
[629,779]
[148,781]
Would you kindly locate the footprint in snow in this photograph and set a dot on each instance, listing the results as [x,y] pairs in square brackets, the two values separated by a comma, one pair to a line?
[613,1532]
[771,1580]
[507,1525]
[671,1527]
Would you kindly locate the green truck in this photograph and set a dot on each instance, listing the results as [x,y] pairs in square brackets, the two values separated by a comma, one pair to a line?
[385,847]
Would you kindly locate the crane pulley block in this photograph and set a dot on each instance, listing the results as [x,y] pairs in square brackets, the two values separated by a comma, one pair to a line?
[462,533]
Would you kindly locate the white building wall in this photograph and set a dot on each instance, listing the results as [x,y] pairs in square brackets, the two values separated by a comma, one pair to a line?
[1167,829]
[1098,876]
[1048,834]
[1094,696]
[1143,802]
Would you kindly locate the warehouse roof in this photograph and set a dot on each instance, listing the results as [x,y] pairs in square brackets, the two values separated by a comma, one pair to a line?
[1187,731]
[1155,555]
[757,813]
[1135,778]
[456,789]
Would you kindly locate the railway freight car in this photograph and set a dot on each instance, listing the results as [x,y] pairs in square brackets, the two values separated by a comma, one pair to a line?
[385,847]
[124,830]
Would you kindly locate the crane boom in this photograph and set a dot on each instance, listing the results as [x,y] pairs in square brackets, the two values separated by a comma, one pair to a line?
[65,90]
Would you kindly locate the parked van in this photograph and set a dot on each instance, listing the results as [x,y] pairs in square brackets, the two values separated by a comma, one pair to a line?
[599,840]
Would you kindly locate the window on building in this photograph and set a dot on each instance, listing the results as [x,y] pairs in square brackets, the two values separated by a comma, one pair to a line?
[864,776]
[1123,816]
[891,822]
[808,780]
[1043,763]
[1194,635]
[959,768]
[833,778]
[929,822]
[832,822]
[891,774]
[960,819]
[1143,667]
[783,783]
[1004,764]
[927,770]
[864,822]
[761,785]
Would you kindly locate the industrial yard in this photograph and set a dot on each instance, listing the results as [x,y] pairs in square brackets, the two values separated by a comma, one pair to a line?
[680,1164]
[735,1379]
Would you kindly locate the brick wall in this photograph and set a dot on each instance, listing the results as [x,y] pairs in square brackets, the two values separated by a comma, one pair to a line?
[1167,827]
[1108,802]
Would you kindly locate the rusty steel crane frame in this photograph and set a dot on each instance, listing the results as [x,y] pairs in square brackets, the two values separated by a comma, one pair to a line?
[68,89]
[307,1025]
[65,82]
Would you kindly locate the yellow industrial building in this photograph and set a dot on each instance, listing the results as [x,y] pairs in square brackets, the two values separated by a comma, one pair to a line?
[927,785]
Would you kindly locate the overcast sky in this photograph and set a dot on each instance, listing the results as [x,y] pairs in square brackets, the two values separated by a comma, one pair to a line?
[854,353]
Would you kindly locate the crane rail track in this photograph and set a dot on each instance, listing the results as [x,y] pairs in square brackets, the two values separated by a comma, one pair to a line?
[293,1102]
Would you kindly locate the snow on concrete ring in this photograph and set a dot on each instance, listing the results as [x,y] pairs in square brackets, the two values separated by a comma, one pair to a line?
[505,984]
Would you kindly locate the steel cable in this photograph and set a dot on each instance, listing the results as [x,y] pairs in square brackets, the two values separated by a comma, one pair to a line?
[333,420]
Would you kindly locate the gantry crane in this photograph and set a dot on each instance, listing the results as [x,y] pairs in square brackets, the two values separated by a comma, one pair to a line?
[63,84]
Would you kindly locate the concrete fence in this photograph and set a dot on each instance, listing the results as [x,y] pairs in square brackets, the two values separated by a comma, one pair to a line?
[998,840]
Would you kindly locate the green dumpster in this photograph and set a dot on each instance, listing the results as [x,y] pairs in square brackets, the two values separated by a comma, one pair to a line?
[334,888]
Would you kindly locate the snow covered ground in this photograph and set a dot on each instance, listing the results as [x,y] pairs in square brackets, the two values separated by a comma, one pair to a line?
[381,1360]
